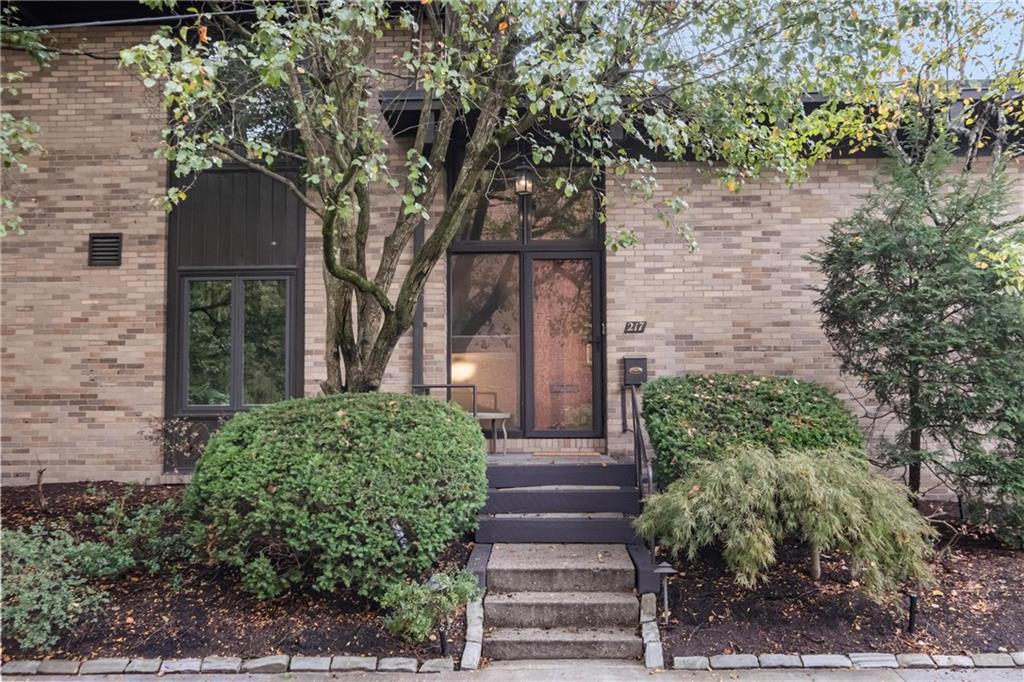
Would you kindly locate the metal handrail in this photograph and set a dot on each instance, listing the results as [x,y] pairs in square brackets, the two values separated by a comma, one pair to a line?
[644,470]
[424,389]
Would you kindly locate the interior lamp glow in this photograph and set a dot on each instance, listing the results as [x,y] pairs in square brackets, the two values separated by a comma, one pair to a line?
[463,371]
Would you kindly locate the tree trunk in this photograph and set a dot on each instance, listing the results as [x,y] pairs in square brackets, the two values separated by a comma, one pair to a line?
[815,563]
[914,473]
[40,497]
[914,470]
[335,382]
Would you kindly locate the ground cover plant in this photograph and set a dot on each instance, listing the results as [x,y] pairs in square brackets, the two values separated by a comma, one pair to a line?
[702,416]
[417,609]
[354,491]
[187,608]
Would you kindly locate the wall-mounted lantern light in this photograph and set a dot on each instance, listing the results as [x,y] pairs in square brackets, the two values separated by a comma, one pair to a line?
[524,179]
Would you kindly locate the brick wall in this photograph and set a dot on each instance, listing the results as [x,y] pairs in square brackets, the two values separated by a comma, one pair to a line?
[743,301]
[83,348]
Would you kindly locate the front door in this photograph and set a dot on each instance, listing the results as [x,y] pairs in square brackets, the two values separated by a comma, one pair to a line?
[564,341]
[525,307]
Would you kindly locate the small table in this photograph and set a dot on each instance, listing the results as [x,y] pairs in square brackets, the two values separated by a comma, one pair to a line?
[494,418]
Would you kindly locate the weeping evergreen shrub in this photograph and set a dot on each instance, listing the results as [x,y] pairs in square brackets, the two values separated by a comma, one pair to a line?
[753,499]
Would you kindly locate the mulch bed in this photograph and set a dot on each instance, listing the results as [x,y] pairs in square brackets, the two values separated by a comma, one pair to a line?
[203,611]
[976,605]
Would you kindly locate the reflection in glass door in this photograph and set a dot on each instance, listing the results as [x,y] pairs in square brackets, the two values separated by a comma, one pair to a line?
[485,326]
[562,369]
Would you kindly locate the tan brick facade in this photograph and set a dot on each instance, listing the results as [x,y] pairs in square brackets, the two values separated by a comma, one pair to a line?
[83,348]
[743,301]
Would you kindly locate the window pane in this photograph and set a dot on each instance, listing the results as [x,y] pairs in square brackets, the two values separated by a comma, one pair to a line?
[563,352]
[556,216]
[485,331]
[496,215]
[209,342]
[264,341]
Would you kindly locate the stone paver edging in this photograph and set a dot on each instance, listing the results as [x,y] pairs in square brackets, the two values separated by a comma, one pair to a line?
[471,660]
[474,635]
[225,664]
[654,655]
[858,661]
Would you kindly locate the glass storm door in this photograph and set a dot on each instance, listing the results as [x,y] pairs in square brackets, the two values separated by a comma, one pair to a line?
[563,332]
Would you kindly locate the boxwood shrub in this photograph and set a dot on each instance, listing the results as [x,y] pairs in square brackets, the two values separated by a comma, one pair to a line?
[701,416]
[355,490]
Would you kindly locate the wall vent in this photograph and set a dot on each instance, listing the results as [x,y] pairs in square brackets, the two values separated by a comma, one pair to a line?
[105,250]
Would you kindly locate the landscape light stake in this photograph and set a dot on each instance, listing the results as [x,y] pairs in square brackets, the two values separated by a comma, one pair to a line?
[912,612]
[664,569]
[436,587]
[442,633]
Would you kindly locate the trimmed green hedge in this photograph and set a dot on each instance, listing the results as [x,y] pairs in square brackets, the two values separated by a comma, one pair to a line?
[700,416]
[320,489]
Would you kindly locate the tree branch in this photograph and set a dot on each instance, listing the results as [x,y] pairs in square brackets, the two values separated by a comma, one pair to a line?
[277,177]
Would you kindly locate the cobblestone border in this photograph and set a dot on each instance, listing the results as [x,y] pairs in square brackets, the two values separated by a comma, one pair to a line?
[474,635]
[265,664]
[226,664]
[854,660]
[654,655]
[471,661]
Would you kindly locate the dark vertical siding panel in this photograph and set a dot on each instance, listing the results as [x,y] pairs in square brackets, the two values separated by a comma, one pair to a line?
[209,216]
[223,228]
[237,212]
[290,240]
[263,219]
[278,228]
[238,219]
[252,195]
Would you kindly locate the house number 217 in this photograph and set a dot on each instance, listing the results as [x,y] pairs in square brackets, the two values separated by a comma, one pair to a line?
[635,327]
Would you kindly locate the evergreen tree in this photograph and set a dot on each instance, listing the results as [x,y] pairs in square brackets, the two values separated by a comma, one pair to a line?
[919,305]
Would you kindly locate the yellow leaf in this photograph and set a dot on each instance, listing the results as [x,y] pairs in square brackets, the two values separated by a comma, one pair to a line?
[502,26]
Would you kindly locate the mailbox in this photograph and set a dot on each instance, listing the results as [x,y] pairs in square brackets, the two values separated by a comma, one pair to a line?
[634,371]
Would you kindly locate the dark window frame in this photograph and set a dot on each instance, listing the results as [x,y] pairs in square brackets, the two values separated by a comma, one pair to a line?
[237,277]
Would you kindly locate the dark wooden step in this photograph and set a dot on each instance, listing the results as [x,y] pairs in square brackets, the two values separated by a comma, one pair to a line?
[577,528]
[522,475]
[562,499]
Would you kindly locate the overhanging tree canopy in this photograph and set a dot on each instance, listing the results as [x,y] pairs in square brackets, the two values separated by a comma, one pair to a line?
[720,82]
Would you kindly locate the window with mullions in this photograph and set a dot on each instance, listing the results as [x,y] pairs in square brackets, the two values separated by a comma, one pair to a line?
[236,341]
[545,214]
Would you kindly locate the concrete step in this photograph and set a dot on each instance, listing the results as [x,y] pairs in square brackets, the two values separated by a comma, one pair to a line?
[560,568]
[553,643]
[562,609]
[562,498]
[595,527]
